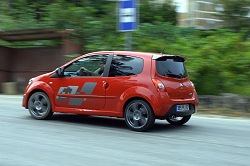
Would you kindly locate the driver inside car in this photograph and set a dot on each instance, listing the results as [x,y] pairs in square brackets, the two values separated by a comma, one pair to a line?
[98,72]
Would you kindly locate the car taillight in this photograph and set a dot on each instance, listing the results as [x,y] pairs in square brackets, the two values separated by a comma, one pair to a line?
[158,85]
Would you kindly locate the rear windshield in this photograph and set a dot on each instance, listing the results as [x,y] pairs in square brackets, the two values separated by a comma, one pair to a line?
[171,68]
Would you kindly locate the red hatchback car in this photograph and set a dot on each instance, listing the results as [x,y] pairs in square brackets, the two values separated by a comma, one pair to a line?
[137,86]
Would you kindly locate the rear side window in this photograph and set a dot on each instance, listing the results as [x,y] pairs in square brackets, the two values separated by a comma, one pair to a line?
[171,68]
[123,65]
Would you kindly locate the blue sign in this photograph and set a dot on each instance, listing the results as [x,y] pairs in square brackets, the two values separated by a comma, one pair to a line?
[127,15]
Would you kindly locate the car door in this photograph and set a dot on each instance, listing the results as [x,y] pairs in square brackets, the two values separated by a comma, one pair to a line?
[122,76]
[78,88]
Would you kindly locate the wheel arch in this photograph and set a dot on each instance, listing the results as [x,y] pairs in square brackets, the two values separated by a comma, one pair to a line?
[34,91]
[140,93]
[40,87]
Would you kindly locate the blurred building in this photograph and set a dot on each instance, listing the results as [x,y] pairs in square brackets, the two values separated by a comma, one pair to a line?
[18,65]
[201,14]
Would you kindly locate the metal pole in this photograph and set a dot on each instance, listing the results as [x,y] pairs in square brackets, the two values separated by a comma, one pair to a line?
[128,41]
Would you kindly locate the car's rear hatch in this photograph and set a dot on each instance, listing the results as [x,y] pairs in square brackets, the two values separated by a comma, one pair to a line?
[171,72]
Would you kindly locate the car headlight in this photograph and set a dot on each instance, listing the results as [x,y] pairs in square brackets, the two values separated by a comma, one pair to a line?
[30,81]
[192,84]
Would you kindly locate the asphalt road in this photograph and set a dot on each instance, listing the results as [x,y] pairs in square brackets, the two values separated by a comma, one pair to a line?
[74,140]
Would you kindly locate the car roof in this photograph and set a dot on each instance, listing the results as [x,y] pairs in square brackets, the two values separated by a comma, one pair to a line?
[133,53]
[144,55]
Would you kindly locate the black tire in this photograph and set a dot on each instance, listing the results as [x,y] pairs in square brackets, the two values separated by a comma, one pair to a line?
[139,115]
[178,120]
[39,106]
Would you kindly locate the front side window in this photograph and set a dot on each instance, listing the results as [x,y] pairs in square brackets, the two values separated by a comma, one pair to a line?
[171,67]
[87,66]
[123,65]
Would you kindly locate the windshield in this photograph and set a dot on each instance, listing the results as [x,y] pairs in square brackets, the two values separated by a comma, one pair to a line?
[171,68]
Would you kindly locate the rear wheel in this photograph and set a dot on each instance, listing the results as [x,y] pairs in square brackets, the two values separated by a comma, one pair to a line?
[178,120]
[39,106]
[139,115]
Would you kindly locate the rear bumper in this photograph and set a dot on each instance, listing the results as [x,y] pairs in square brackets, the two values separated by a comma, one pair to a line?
[173,112]
[168,106]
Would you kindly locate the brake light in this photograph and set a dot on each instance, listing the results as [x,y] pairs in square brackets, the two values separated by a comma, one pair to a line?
[158,85]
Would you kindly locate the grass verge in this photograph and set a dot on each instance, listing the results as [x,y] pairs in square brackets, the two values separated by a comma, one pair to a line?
[223,112]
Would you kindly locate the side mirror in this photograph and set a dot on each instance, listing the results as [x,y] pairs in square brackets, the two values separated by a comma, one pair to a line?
[59,72]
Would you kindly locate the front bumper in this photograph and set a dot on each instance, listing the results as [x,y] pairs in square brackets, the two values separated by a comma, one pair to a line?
[24,104]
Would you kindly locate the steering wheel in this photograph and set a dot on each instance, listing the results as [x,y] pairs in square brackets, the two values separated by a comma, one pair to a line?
[82,73]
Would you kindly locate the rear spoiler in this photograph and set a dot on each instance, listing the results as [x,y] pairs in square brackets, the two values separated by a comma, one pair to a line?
[176,58]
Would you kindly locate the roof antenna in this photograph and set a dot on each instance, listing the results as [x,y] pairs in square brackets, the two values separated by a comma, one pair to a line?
[166,42]
[164,48]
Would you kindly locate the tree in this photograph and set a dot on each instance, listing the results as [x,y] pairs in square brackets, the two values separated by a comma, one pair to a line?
[235,13]
[157,12]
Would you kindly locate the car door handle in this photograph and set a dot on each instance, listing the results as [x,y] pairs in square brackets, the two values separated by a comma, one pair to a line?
[105,84]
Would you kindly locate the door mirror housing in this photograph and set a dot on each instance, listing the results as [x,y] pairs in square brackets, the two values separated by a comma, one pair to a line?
[59,72]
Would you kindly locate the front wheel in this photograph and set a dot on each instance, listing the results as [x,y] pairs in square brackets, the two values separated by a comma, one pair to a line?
[178,120]
[139,115]
[39,106]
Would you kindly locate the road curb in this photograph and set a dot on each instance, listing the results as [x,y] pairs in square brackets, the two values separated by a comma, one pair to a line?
[2,96]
